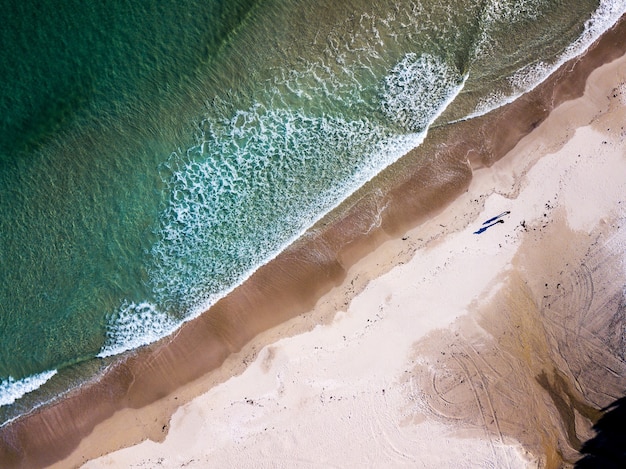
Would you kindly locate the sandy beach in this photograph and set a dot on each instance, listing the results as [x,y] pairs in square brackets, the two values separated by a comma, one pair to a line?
[474,350]
[423,341]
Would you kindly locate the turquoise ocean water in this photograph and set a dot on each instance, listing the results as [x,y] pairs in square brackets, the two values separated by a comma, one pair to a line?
[154,154]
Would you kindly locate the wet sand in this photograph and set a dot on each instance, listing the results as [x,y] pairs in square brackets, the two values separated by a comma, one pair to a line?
[326,289]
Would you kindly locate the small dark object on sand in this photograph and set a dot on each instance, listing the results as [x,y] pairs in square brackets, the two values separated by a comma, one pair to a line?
[484,228]
[496,217]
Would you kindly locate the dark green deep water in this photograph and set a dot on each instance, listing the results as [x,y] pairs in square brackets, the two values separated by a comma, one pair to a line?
[152,154]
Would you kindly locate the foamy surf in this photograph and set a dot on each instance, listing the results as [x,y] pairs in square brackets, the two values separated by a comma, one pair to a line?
[136,325]
[185,273]
[13,389]
[532,75]
[411,87]
[271,132]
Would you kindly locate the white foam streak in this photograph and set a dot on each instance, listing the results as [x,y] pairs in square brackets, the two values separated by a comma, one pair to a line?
[413,85]
[248,140]
[140,324]
[13,389]
[527,79]
[394,150]
[136,325]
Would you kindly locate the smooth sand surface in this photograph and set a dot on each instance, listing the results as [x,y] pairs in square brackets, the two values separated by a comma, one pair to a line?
[474,350]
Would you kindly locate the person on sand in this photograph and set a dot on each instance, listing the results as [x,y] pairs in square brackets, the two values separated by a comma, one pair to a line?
[484,228]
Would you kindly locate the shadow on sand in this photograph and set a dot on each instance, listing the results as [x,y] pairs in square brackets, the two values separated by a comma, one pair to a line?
[608,448]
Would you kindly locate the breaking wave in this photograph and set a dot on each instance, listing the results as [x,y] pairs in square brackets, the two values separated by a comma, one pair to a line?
[13,389]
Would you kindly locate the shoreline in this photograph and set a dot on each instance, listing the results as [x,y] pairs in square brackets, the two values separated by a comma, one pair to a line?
[153,376]
[509,371]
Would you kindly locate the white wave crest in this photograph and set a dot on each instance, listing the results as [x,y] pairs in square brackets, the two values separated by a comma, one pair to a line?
[136,325]
[416,88]
[13,389]
[503,12]
[511,10]
[528,78]
[257,179]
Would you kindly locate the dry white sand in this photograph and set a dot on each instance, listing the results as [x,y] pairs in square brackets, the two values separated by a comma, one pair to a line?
[352,393]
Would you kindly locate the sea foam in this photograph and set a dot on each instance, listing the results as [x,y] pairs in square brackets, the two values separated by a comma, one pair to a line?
[13,389]
[260,176]
[257,181]
[415,88]
[529,77]
[135,325]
